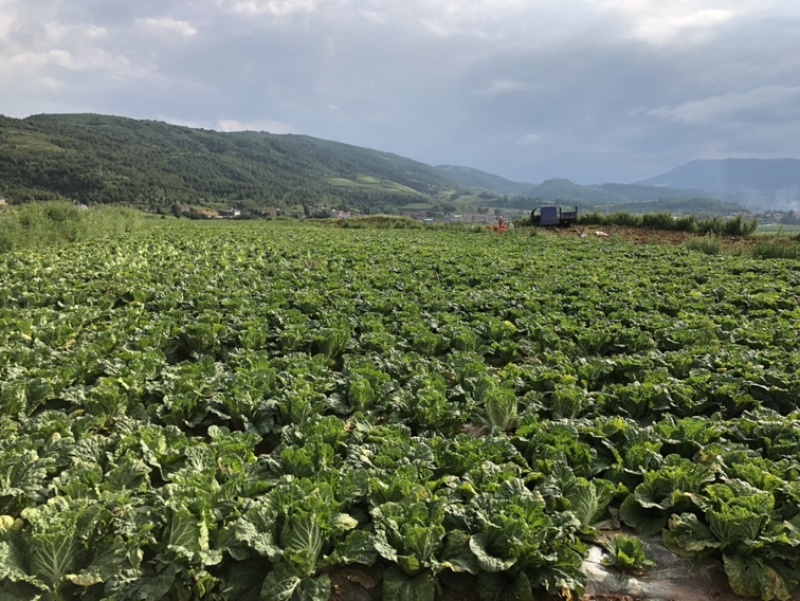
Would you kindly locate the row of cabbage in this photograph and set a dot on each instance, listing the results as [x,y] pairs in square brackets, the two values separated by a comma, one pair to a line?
[241,412]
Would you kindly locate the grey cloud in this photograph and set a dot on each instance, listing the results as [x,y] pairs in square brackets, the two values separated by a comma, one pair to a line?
[525,89]
[768,103]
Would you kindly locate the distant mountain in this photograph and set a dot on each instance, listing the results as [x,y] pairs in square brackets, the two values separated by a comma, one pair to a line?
[702,207]
[481,181]
[762,183]
[566,192]
[156,166]
[613,194]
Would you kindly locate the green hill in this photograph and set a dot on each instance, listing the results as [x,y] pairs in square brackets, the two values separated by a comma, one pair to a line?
[102,159]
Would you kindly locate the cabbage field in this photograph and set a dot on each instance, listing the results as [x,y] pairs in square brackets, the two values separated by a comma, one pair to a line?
[256,411]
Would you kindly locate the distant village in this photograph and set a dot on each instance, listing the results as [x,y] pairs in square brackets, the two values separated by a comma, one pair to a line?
[321,211]
[487,217]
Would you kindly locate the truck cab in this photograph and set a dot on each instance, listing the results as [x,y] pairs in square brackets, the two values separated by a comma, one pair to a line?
[553,216]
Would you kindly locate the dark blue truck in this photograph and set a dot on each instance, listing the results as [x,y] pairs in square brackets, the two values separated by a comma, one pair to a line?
[553,216]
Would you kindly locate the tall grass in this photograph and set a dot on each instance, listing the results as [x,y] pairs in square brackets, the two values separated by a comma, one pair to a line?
[658,221]
[777,248]
[737,226]
[708,245]
[46,224]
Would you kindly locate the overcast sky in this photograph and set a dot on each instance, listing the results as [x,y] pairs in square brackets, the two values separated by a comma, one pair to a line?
[590,90]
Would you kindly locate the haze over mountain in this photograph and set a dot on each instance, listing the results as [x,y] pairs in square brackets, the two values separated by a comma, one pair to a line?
[566,191]
[762,183]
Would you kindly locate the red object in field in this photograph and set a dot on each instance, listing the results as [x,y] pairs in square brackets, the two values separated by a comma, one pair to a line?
[499,228]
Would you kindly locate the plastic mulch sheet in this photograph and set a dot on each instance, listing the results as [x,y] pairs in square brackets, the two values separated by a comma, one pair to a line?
[674,578]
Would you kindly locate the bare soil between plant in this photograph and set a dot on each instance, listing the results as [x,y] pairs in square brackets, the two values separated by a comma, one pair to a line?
[643,236]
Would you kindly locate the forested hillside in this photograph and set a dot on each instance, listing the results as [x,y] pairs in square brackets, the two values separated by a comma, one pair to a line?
[102,159]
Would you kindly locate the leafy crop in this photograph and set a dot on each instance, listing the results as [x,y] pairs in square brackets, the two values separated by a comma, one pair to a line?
[237,412]
[627,554]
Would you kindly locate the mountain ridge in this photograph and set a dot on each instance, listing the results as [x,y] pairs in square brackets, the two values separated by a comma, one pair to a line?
[97,158]
[566,191]
[759,183]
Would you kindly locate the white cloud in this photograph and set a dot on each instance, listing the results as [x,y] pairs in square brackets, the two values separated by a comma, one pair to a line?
[41,51]
[49,63]
[275,127]
[659,22]
[663,29]
[445,29]
[272,7]
[185,122]
[373,16]
[58,33]
[766,103]
[9,17]
[6,23]
[93,32]
[231,125]
[504,86]
[528,140]
[509,20]
[168,26]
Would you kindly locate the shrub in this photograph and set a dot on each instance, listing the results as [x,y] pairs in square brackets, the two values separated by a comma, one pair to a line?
[658,221]
[708,245]
[592,218]
[739,226]
[40,225]
[777,248]
[619,218]
[712,225]
[685,224]
[625,220]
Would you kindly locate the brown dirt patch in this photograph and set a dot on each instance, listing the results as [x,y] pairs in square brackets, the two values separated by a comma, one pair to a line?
[611,598]
[353,584]
[639,236]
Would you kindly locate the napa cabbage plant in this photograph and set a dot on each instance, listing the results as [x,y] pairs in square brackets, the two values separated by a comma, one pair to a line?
[669,489]
[299,530]
[627,554]
[760,552]
[519,546]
